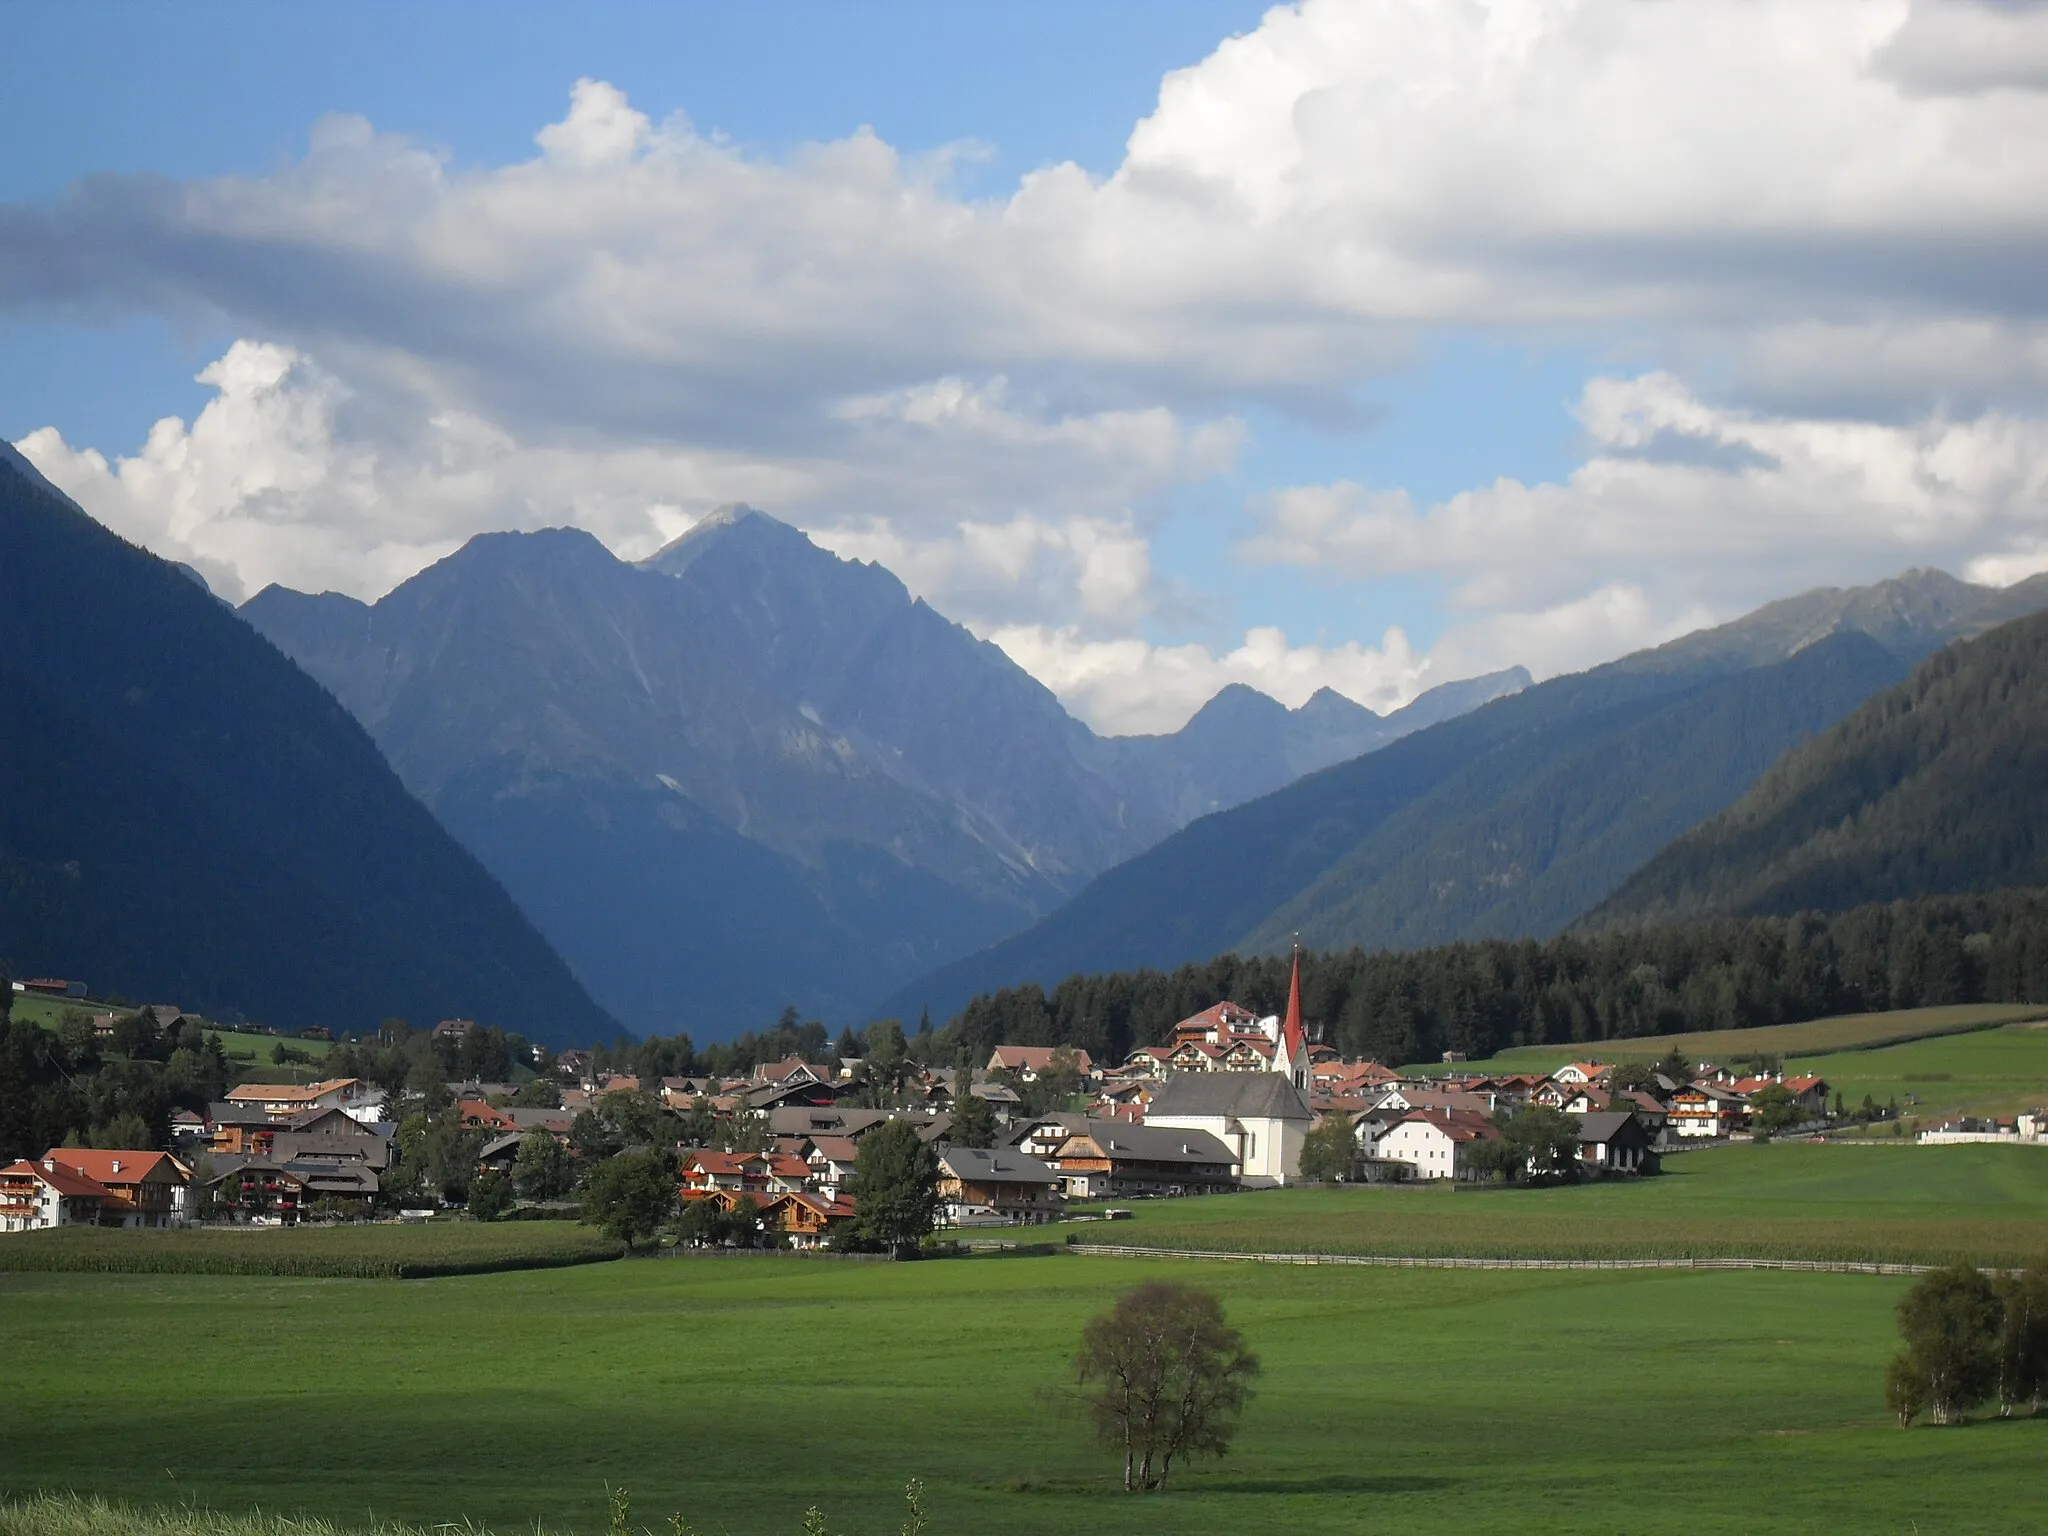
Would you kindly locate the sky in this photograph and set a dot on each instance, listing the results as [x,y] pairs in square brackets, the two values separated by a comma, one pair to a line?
[1366,344]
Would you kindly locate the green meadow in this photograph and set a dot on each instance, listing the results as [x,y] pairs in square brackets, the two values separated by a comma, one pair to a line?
[1989,1072]
[1783,1200]
[1843,1032]
[740,1391]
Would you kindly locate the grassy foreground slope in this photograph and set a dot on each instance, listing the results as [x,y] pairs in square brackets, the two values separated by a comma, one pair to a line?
[1790,1200]
[742,1391]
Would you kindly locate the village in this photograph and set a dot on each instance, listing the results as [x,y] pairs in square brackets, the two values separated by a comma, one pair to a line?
[1230,1101]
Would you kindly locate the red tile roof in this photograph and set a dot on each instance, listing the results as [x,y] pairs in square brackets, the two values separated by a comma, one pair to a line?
[67,1181]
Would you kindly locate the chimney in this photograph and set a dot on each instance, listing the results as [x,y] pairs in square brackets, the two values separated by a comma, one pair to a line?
[116,1165]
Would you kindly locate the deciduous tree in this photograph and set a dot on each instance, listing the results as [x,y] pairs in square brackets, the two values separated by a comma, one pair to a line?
[1170,1378]
[630,1196]
[1949,1322]
[895,1187]
[542,1169]
[1329,1153]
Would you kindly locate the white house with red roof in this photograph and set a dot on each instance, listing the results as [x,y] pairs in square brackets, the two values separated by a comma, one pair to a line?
[44,1193]
[1437,1143]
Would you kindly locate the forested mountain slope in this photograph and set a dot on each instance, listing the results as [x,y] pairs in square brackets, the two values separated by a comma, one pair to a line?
[1510,820]
[1938,785]
[185,816]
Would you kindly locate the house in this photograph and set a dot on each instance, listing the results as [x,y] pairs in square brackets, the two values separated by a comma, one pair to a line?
[758,1173]
[144,1189]
[1261,1116]
[682,1092]
[239,1130]
[1436,1143]
[1578,1072]
[500,1153]
[831,1159]
[477,1115]
[1029,1061]
[457,1030]
[328,1134]
[1112,1159]
[51,986]
[279,1100]
[1615,1141]
[825,1120]
[46,1193]
[805,1218]
[1013,1185]
[1704,1110]
[1417,1096]
[258,1190]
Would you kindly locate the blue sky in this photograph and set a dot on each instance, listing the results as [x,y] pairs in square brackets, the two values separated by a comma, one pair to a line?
[1537,363]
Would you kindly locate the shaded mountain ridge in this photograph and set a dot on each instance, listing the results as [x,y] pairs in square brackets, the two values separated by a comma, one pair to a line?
[184,814]
[746,773]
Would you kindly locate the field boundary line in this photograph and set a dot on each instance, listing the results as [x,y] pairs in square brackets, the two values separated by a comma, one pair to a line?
[1408,1261]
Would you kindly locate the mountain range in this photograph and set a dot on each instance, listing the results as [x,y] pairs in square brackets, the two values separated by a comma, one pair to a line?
[746,773]
[1511,820]
[185,816]
[1936,787]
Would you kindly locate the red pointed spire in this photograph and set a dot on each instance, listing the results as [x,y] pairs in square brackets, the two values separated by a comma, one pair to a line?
[1290,1030]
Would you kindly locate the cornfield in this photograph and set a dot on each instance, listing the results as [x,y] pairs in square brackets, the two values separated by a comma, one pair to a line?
[378,1252]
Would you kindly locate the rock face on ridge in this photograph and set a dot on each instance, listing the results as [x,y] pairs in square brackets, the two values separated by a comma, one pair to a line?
[746,773]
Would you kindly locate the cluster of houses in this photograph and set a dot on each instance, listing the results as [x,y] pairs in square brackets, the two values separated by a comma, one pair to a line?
[1226,1102]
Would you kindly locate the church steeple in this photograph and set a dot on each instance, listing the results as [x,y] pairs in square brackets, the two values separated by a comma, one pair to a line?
[1292,1057]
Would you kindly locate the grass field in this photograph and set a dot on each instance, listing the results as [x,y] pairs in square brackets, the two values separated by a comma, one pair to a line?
[740,1391]
[1844,1032]
[379,1251]
[1785,1200]
[1989,1072]
[248,1053]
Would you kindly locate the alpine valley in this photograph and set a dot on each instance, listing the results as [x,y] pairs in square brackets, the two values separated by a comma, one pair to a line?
[746,774]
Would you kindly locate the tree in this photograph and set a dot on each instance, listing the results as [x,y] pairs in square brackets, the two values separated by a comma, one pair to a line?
[1170,1379]
[490,1196]
[886,1064]
[630,1196]
[1330,1152]
[541,1093]
[542,1169]
[1773,1109]
[974,1122]
[1633,1077]
[708,1223]
[1905,1388]
[895,1187]
[1545,1140]
[2021,1349]
[1949,1321]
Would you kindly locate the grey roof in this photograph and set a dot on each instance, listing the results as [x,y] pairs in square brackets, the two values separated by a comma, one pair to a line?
[369,1150]
[1603,1124]
[1157,1143]
[1000,1165]
[1263,1095]
[1022,1127]
[824,1120]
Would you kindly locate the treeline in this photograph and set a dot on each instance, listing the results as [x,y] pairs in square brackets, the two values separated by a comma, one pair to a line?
[660,1056]
[402,1058]
[1486,996]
